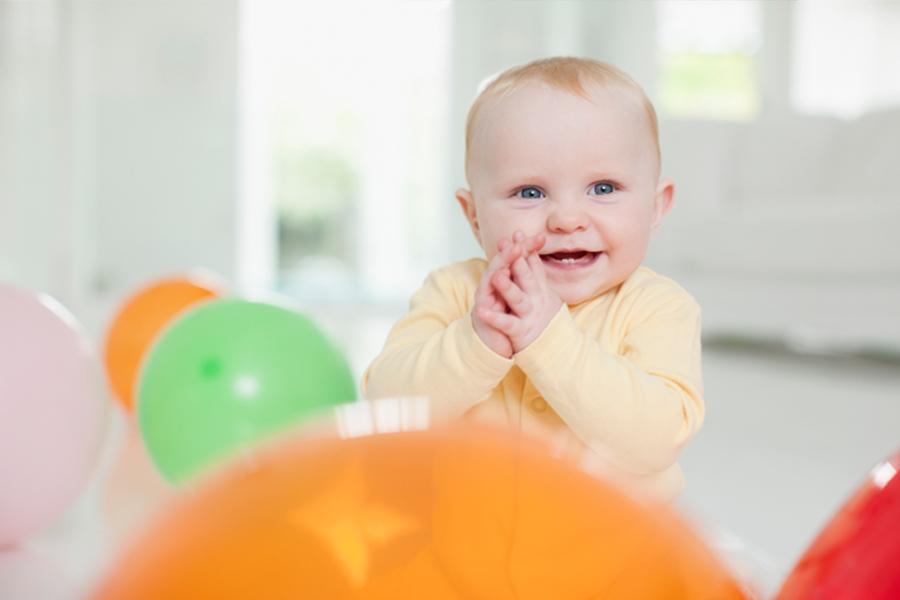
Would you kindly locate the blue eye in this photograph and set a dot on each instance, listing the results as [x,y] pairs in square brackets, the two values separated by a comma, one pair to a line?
[602,189]
[530,193]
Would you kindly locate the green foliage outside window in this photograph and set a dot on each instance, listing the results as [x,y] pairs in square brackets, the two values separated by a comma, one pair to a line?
[694,85]
[317,189]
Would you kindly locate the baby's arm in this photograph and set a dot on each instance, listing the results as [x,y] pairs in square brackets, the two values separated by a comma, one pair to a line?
[637,405]
[434,351]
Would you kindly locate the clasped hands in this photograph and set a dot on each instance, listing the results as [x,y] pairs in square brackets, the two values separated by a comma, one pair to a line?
[513,301]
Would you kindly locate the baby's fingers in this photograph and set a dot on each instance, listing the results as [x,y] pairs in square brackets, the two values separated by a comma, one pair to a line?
[524,276]
[514,297]
[529,270]
[487,296]
[501,321]
[509,252]
[537,268]
[534,243]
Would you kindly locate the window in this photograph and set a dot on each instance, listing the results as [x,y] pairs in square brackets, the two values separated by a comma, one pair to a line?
[846,57]
[707,59]
[355,104]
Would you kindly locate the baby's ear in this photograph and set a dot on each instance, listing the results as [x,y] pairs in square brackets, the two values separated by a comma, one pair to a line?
[662,202]
[467,202]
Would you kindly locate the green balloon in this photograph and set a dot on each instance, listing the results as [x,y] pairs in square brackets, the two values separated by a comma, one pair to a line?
[227,374]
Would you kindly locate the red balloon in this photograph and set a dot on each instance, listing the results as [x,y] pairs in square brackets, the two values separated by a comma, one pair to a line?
[857,555]
[459,513]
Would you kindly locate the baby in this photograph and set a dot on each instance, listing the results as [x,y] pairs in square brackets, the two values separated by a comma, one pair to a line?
[560,332]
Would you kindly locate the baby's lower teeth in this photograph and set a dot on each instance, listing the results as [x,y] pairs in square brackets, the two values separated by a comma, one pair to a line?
[570,261]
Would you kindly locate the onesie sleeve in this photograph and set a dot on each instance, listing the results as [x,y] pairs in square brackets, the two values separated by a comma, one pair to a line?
[434,352]
[638,406]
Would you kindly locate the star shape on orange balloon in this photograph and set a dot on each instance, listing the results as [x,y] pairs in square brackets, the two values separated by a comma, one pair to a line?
[349,524]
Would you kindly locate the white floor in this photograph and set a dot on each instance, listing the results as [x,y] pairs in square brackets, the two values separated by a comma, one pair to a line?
[786,440]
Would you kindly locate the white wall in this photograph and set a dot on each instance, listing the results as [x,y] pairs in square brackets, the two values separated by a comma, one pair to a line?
[118,145]
[37,66]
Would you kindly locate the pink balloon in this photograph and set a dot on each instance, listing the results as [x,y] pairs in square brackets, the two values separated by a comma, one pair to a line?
[53,407]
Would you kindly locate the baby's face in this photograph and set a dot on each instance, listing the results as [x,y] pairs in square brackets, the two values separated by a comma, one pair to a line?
[582,173]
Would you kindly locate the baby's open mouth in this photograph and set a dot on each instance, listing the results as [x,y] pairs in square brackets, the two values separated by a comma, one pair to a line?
[575,258]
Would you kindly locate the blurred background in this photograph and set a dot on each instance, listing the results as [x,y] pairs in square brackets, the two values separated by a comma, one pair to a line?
[313,148]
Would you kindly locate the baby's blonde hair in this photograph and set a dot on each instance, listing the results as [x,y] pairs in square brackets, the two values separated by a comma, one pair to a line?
[578,76]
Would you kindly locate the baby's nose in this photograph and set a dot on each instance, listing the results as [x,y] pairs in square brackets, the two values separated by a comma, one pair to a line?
[567,217]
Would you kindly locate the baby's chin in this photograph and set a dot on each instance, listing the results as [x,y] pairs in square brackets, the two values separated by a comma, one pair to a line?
[571,298]
[573,295]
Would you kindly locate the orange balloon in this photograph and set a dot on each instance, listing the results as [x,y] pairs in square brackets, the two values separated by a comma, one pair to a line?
[462,512]
[136,325]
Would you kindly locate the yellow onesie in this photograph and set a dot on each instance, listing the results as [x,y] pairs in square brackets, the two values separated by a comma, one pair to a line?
[618,374]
